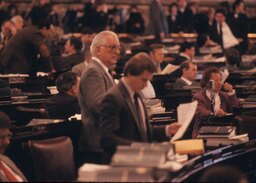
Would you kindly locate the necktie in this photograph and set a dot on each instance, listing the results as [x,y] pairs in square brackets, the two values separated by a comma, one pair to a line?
[143,131]
[9,175]
[221,36]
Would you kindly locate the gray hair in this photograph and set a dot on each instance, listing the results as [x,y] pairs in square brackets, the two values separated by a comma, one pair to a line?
[100,39]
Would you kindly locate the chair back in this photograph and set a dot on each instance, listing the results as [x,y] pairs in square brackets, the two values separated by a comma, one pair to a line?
[53,159]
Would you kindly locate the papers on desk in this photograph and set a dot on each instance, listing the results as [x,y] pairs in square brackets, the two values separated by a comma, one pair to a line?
[169,69]
[13,75]
[224,75]
[185,114]
[209,60]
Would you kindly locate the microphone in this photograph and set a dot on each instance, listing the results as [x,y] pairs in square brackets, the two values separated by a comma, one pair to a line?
[212,88]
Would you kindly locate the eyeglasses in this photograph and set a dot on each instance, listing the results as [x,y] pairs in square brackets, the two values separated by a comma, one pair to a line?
[112,47]
[3,136]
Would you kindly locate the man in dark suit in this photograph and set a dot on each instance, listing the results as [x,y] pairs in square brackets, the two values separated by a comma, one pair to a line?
[212,101]
[21,52]
[65,103]
[187,52]
[158,25]
[123,116]
[239,18]
[224,32]
[9,172]
[189,71]
[185,17]
[95,82]
[71,57]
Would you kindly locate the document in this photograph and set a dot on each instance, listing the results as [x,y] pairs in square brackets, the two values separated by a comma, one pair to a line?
[169,69]
[185,114]
[224,75]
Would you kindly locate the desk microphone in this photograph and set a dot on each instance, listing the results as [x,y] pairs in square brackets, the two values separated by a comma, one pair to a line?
[212,88]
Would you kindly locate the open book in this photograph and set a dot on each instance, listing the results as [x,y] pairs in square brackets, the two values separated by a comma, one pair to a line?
[169,69]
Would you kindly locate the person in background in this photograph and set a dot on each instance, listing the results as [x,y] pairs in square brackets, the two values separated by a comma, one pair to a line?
[65,103]
[157,55]
[9,172]
[72,55]
[135,22]
[123,118]
[189,71]
[239,18]
[20,54]
[158,25]
[187,52]
[172,18]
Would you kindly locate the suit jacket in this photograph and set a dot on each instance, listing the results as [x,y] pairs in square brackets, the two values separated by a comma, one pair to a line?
[180,83]
[158,22]
[214,35]
[204,106]
[93,85]
[179,60]
[66,63]
[119,124]
[62,106]
[185,20]
[12,166]
[20,53]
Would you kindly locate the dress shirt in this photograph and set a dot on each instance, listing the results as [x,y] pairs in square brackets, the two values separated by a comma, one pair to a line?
[131,94]
[229,40]
[18,178]
[217,102]
[104,67]
[187,81]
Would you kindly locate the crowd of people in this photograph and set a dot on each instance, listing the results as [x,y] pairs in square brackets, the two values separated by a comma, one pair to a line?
[115,114]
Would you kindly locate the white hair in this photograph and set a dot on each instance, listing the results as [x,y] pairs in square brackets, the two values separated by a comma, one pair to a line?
[100,39]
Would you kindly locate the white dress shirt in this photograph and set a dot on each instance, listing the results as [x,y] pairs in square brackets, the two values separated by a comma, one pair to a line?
[229,40]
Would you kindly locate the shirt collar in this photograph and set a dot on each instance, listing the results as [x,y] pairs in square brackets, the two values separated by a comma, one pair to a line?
[208,93]
[128,88]
[187,81]
[185,55]
[99,62]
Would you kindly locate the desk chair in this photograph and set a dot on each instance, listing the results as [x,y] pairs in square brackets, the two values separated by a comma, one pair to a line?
[53,159]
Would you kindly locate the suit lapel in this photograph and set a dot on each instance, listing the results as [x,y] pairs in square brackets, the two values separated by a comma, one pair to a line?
[108,81]
[130,104]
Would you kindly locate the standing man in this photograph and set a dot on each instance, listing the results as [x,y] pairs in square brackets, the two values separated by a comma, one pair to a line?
[8,170]
[95,82]
[123,116]
[158,25]
[21,52]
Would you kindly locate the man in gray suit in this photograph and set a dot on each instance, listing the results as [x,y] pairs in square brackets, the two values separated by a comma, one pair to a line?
[95,81]
[8,170]
[189,71]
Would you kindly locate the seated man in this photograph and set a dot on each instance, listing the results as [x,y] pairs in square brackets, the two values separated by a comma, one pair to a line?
[123,118]
[189,71]
[65,103]
[212,101]
[8,170]
[157,55]
[187,52]
[71,57]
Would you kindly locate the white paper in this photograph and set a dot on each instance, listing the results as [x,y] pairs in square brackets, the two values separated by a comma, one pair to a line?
[224,75]
[185,114]
[169,69]
[148,92]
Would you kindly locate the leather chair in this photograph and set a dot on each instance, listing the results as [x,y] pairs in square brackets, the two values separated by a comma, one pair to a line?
[53,159]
